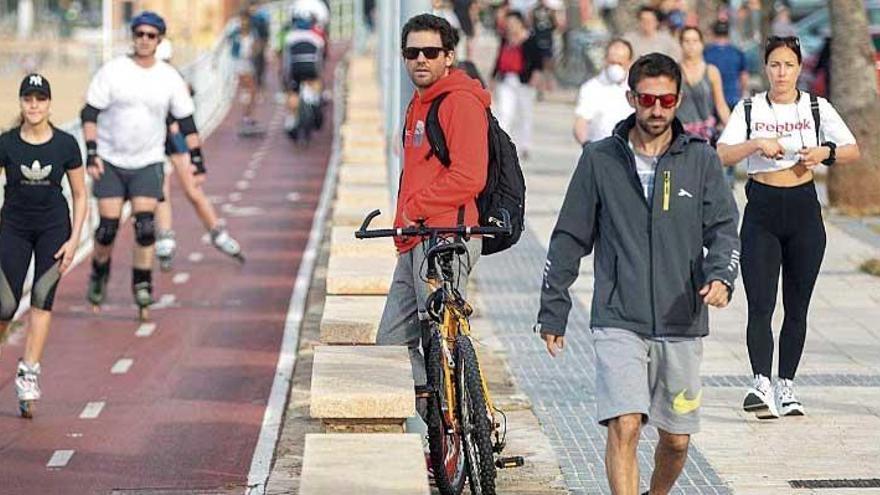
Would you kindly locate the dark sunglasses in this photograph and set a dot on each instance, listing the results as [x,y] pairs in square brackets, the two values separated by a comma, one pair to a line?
[648,100]
[431,52]
[787,40]
[145,34]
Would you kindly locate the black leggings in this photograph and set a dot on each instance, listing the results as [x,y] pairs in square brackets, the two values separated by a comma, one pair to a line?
[16,247]
[782,227]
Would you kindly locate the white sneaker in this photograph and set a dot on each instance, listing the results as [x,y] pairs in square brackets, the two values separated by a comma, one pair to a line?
[166,245]
[27,386]
[787,401]
[226,244]
[759,399]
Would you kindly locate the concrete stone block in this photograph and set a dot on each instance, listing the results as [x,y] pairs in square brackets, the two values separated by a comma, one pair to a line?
[362,383]
[362,175]
[343,243]
[362,196]
[353,216]
[359,276]
[362,464]
[351,319]
[364,156]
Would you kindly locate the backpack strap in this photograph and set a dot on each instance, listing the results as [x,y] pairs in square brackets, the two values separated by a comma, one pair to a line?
[747,107]
[403,133]
[817,119]
[434,132]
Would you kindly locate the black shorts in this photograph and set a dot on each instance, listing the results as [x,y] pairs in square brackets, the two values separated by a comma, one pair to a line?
[301,73]
[462,11]
[144,182]
[17,244]
[175,144]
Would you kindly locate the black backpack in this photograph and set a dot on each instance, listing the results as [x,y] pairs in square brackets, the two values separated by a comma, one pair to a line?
[505,185]
[814,109]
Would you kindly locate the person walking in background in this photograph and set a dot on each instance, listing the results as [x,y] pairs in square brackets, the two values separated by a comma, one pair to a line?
[647,329]
[515,74]
[260,23]
[546,19]
[649,37]
[702,94]
[731,63]
[466,13]
[783,134]
[602,100]
[35,157]
[245,47]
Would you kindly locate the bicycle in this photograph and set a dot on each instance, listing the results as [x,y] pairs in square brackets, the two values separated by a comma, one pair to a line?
[465,440]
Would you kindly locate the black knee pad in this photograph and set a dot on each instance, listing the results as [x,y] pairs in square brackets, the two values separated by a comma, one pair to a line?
[144,228]
[106,231]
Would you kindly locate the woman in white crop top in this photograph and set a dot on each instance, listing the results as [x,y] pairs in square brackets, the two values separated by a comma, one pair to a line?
[782,227]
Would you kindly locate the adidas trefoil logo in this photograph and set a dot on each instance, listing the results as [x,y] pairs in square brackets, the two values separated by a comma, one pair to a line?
[36,172]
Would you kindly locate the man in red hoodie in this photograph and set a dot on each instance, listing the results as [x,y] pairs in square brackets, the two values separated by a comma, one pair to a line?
[431,193]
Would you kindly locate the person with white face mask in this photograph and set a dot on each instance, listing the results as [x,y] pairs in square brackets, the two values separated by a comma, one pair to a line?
[602,100]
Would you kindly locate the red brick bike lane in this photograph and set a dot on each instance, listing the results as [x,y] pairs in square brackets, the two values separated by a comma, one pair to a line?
[179,406]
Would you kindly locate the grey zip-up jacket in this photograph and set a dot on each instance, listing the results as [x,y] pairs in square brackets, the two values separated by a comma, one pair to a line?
[649,260]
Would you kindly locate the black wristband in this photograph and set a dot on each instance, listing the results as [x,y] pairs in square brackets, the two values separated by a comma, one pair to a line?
[196,158]
[91,153]
[832,153]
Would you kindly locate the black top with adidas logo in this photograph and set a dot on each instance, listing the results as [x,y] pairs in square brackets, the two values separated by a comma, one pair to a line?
[34,172]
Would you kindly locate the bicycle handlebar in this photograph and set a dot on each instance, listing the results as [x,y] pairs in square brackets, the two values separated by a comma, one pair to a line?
[423,231]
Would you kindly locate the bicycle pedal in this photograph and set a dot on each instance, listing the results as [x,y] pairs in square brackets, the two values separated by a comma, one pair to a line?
[510,462]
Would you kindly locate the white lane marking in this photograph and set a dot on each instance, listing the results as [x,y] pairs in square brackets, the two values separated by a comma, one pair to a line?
[166,301]
[293,197]
[215,200]
[195,257]
[59,458]
[242,185]
[234,197]
[122,366]
[145,330]
[241,211]
[258,475]
[180,278]
[92,410]
[249,174]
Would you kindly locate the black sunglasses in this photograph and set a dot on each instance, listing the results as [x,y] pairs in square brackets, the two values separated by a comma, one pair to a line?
[788,40]
[431,52]
[146,34]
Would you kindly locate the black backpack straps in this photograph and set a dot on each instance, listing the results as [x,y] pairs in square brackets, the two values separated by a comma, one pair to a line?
[747,108]
[434,132]
[403,125]
[817,119]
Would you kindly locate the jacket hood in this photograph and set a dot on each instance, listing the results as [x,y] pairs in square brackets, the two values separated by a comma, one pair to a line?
[457,80]
[680,138]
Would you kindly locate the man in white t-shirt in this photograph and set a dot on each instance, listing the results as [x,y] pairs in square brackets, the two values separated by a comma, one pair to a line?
[602,100]
[124,129]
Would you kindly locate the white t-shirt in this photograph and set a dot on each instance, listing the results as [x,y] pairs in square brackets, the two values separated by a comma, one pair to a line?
[792,124]
[603,104]
[134,102]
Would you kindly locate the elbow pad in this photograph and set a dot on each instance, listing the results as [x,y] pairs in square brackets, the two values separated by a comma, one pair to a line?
[89,114]
[187,125]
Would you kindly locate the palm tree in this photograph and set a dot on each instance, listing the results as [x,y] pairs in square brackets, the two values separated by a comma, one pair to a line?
[855,188]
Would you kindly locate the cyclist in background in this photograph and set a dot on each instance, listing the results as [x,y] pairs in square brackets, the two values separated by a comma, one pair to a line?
[302,58]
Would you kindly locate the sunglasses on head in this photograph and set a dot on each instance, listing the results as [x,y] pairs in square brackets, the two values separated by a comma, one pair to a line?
[431,52]
[146,34]
[787,40]
[648,100]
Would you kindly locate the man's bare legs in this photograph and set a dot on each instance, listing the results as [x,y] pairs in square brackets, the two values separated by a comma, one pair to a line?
[669,459]
[621,462]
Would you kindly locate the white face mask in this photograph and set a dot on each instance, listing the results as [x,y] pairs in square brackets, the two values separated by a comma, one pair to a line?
[615,73]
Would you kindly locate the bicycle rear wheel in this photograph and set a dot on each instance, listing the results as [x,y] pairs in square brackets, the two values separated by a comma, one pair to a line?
[476,423]
[447,458]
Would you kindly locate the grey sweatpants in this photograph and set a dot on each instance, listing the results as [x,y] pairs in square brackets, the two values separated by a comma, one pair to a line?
[405,306]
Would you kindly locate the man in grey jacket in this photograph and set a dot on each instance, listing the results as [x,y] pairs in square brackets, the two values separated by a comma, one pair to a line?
[653,204]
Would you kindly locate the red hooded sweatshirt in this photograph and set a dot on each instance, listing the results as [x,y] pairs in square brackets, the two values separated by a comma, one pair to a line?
[428,190]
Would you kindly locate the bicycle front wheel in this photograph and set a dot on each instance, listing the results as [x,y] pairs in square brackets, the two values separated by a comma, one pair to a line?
[444,441]
[476,423]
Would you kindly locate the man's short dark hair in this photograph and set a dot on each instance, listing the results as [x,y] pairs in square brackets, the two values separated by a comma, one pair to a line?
[654,65]
[622,42]
[430,22]
[517,14]
[652,10]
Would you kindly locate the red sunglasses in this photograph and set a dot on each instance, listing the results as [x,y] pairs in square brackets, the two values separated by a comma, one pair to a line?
[648,100]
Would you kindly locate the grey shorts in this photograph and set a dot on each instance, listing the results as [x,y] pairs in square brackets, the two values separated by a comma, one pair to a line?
[145,182]
[659,379]
[405,305]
